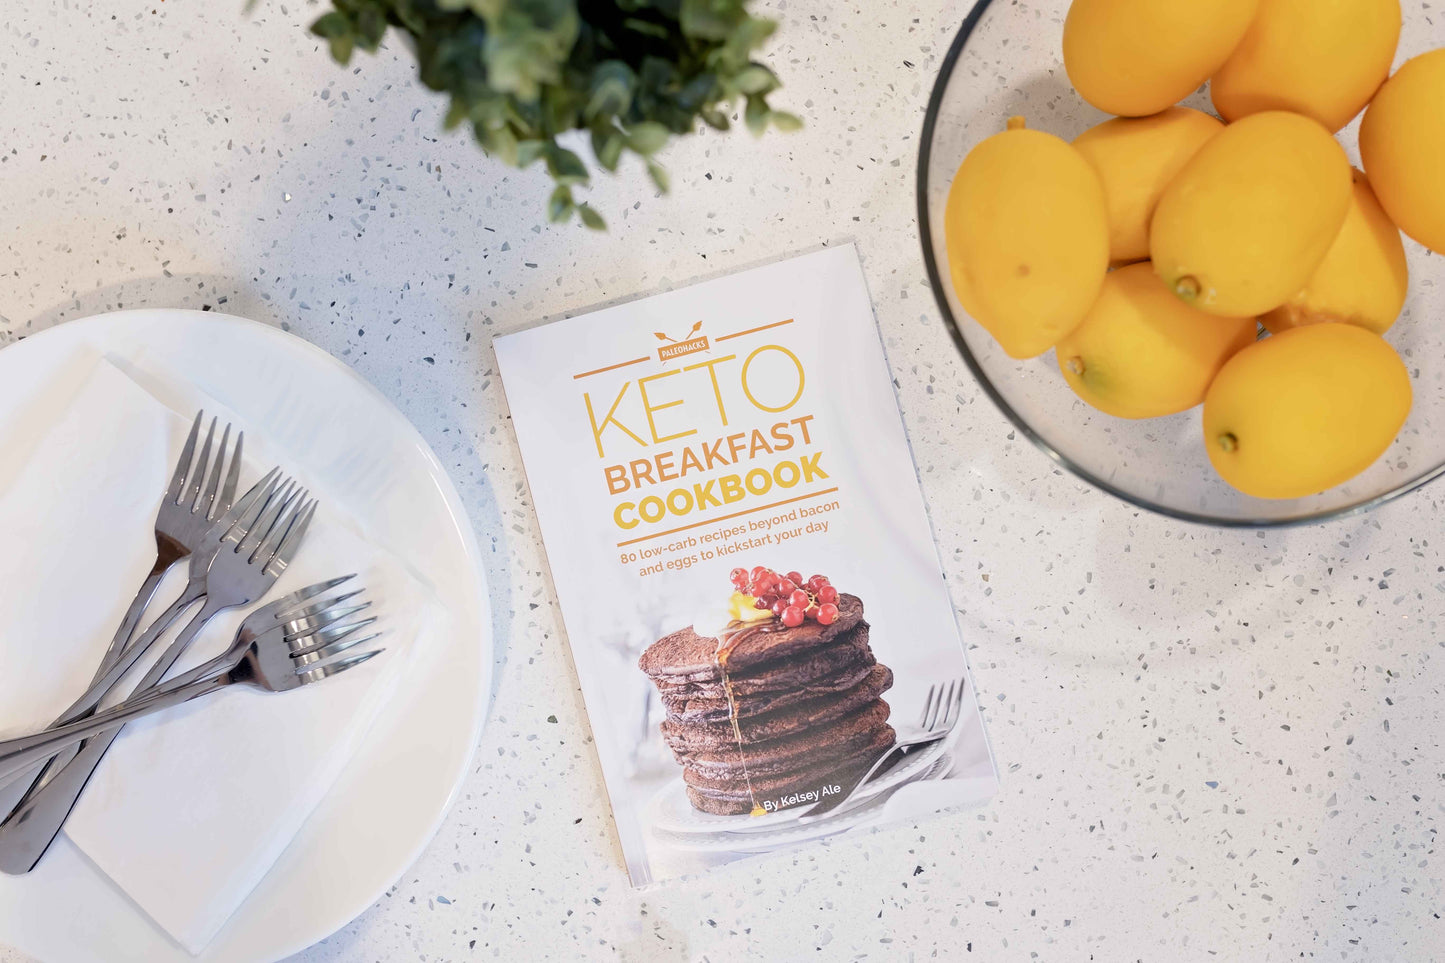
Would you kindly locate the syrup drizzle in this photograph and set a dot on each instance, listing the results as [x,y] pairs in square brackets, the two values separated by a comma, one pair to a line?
[728,640]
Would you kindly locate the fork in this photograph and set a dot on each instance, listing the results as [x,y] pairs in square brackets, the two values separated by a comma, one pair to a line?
[280,647]
[192,502]
[941,710]
[242,556]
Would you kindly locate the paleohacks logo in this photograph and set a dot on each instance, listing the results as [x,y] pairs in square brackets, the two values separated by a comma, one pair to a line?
[690,343]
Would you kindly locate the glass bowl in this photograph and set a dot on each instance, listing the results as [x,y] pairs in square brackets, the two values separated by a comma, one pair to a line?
[1007,60]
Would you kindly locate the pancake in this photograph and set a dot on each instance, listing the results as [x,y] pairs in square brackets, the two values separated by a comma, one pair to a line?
[685,656]
[810,714]
[690,711]
[805,701]
[734,799]
[806,668]
[791,754]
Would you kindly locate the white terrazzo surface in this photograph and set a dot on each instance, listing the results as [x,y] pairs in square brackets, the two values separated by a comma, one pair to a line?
[1215,745]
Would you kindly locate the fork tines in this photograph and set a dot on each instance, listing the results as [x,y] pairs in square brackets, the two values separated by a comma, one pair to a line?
[198,481]
[269,527]
[318,631]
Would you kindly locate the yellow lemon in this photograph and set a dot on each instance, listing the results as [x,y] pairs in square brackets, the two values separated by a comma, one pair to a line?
[1137,57]
[1027,238]
[1141,352]
[1321,58]
[1402,141]
[1135,158]
[1363,279]
[1242,227]
[1305,410]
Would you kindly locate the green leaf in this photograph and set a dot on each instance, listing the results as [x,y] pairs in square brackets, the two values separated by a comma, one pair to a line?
[336,29]
[521,73]
[647,137]
[529,150]
[755,79]
[565,166]
[784,121]
[659,176]
[591,218]
[370,28]
[527,42]
[456,113]
[610,90]
[756,115]
[710,19]
[560,205]
[646,28]
[409,15]
[607,144]
[714,118]
[500,142]
[747,37]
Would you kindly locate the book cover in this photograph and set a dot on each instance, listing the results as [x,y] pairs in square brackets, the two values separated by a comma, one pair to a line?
[745,566]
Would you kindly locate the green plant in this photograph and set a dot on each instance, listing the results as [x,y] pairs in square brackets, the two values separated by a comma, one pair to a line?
[630,72]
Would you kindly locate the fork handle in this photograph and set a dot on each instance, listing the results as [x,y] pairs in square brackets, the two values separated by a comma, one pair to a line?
[195,590]
[18,753]
[132,618]
[32,826]
[108,674]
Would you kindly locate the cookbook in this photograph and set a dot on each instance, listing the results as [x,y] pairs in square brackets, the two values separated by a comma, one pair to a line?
[745,566]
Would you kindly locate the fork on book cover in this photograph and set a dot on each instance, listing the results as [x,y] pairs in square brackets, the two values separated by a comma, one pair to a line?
[941,710]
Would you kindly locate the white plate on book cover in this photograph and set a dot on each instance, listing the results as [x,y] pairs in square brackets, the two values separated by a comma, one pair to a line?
[671,812]
[931,763]
[392,795]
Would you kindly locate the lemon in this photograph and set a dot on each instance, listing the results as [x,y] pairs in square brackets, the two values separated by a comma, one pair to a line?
[1242,227]
[1363,279]
[1027,237]
[1141,352]
[1402,141]
[1137,57]
[1135,158]
[1321,58]
[1305,410]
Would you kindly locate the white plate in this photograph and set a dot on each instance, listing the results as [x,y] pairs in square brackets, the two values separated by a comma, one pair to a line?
[929,764]
[391,798]
[671,812]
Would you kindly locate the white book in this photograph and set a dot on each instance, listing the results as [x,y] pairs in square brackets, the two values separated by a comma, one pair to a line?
[745,423]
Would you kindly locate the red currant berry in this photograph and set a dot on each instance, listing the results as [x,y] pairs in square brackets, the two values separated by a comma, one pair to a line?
[739,575]
[757,573]
[787,587]
[827,613]
[828,594]
[811,612]
[778,606]
[760,603]
[816,582]
[792,616]
[796,578]
[799,598]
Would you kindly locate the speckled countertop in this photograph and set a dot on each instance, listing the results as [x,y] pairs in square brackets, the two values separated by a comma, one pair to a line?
[1214,744]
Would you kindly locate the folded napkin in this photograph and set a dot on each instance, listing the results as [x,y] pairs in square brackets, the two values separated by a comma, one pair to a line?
[191,806]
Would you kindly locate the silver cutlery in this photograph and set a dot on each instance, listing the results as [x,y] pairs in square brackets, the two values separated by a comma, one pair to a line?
[941,711]
[195,498]
[280,647]
[240,559]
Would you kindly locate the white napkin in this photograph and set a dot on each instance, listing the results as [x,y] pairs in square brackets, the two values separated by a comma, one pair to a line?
[193,805]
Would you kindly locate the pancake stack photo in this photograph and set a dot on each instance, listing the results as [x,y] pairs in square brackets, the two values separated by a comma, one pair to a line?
[803,712]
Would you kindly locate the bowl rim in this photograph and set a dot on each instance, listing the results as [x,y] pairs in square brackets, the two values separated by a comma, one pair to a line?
[935,280]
